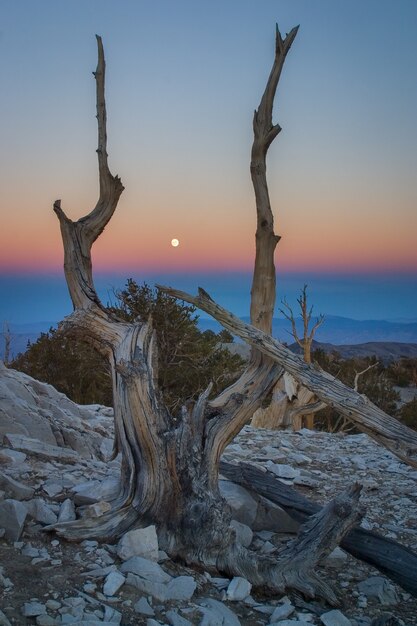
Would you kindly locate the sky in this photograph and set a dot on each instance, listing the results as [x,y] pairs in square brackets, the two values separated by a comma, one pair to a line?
[183,79]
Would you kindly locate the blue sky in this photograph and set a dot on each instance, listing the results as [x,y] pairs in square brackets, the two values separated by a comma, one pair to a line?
[183,79]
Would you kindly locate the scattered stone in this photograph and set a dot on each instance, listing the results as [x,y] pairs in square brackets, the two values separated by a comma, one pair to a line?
[335,618]
[14,489]
[336,559]
[282,612]
[283,471]
[176,620]
[52,488]
[180,588]
[12,518]
[40,511]
[146,569]
[97,509]
[238,589]
[32,609]
[94,491]
[11,457]
[67,511]
[47,620]
[378,587]
[142,606]
[40,449]
[3,619]
[244,507]
[141,542]
[272,517]
[216,613]
[53,605]
[113,582]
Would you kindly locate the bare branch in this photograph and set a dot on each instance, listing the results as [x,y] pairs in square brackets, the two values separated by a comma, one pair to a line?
[359,374]
[79,236]
[290,317]
[386,430]
[317,325]
[264,280]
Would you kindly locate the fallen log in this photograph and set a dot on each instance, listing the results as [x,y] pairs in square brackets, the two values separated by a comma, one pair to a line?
[396,561]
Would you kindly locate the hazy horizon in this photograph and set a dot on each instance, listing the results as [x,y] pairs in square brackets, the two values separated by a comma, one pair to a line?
[44,297]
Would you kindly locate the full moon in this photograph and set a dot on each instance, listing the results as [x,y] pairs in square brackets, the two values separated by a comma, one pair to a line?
[175,243]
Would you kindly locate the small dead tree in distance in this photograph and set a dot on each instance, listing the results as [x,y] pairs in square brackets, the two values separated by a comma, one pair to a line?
[169,473]
[311,405]
[291,403]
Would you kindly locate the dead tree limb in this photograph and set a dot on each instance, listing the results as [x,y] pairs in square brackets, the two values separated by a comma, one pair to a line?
[386,430]
[361,373]
[391,558]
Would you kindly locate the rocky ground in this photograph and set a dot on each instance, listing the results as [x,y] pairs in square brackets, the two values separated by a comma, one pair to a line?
[52,466]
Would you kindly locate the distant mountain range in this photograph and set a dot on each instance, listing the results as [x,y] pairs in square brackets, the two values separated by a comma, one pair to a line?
[349,337]
[341,330]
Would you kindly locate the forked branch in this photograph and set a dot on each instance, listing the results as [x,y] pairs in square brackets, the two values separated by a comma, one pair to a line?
[79,236]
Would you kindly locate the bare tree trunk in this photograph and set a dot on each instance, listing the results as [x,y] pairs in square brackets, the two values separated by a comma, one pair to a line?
[386,430]
[161,481]
[7,342]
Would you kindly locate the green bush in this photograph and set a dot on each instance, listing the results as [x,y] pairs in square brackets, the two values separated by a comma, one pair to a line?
[188,359]
[408,414]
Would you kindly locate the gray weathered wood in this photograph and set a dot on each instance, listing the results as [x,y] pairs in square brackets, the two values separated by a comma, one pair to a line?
[386,430]
[170,467]
[393,559]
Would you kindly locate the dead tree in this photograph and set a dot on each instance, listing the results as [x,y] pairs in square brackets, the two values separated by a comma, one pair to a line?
[7,341]
[291,403]
[169,473]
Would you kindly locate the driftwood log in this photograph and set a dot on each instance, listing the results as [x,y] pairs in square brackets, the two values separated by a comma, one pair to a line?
[391,558]
[169,474]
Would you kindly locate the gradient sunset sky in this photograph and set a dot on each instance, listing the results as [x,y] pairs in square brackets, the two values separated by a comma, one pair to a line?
[183,79]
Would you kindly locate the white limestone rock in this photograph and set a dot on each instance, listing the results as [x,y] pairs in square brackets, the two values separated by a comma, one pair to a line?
[113,582]
[335,618]
[141,542]
[146,569]
[32,609]
[143,607]
[41,449]
[11,457]
[40,511]
[15,489]
[379,587]
[67,511]
[244,507]
[175,619]
[283,471]
[282,612]
[238,589]
[12,518]
[215,612]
